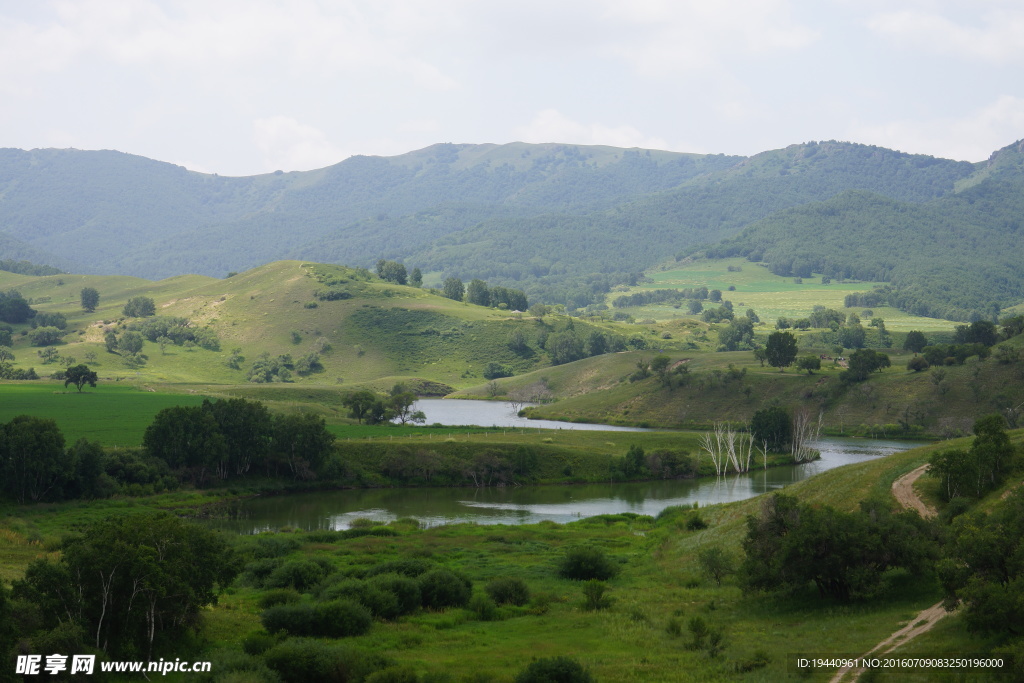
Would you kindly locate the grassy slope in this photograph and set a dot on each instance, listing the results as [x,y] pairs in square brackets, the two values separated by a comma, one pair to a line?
[771,296]
[384,332]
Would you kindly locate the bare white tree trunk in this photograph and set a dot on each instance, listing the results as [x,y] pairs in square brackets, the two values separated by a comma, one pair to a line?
[805,433]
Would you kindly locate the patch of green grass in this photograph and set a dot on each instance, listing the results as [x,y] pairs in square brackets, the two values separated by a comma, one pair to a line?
[112,414]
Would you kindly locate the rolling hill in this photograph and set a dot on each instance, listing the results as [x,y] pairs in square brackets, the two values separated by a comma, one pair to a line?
[565,223]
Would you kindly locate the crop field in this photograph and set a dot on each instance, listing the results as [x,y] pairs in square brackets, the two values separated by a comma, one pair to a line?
[771,296]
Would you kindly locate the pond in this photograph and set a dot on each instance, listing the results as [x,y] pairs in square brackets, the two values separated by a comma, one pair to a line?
[530,504]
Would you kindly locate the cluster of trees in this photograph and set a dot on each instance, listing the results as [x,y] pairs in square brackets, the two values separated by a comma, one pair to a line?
[228,438]
[845,555]
[28,268]
[377,409]
[970,473]
[14,308]
[861,363]
[393,271]
[130,586]
[660,464]
[139,307]
[35,465]
[661,296]
[479,293]
[266,370]
[178,331]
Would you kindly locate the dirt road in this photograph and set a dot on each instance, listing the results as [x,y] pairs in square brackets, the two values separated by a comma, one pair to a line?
[903,490]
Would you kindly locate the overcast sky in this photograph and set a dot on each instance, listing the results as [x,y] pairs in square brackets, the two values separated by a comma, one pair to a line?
[240,87]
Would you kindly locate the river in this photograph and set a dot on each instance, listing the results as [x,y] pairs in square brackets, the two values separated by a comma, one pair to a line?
[529,504]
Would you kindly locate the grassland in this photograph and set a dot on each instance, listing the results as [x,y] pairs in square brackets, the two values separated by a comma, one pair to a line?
[660,584]
[771,296]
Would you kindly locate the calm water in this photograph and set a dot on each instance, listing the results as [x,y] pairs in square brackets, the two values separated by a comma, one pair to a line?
[457,412]
[529,504]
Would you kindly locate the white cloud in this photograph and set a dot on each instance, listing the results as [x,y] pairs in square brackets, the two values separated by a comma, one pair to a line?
[289,145]
[551,125]
[997,36]
[970,138]
[661,36]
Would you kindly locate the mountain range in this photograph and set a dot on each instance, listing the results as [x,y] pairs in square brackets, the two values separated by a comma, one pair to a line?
[565,223]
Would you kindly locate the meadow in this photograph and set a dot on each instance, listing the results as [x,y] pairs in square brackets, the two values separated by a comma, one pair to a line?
[771,296]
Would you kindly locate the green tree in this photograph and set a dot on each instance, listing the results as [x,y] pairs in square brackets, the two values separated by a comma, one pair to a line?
[359,403]
[110,340]
[478,293]
[416,278]
[772,426]
[809,363]
[14,308]
[781,350]
[862,363]
[33,462]
[139,307]
[303,441]
[46,336]
[187,438]
[131,342]
[90,299]
[247,430]
[564,347]
[133,583]
[453,289]
[80,375]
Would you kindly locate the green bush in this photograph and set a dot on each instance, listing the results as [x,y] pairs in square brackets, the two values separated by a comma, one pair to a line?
[554,670]
[332,619]
[258,642]
[412,566]
[274,546]
[405,589]
[508,591]
[298,660]
[483,607]
[442,588]
[593,592]
[278,596]
[584,563]
[298,574]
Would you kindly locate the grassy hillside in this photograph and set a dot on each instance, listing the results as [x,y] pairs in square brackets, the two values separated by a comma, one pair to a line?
[771,296]
[373,332]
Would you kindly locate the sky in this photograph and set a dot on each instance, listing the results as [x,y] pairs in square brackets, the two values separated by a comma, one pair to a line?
[240,87]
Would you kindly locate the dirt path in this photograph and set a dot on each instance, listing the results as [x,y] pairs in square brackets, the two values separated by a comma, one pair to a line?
[903,490]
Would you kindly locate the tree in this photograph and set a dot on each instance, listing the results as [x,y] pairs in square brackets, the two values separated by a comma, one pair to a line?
[781,350]
[809,363]
[915,341]
[478,293]
[772,426]
[46,336]
[186,438]
[359,403]
[33,463]
[392,271]
[14,308]
[90,299]
[110,340]
[917,364]
[303,441]
[416,278]
[862,363]
[131,342]
[247,431]
[453,289]
[133,583]
[400,404]
[80,375]
[139,307]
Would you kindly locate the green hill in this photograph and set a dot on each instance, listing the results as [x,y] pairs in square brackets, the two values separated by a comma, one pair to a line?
[362,329]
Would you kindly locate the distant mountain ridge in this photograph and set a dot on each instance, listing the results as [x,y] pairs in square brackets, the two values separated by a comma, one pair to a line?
[563,222]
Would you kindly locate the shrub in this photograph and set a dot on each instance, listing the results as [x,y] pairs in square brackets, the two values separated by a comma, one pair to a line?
[278,596]
[483,607]
[412,566]
[332,619]
[298,660]
[258,642]
[298,574]
[554,670]
[584,564]
[294,618]
[593,592]
[917,364]
[274,546]
[442,588]
[405,589]
[695,523]
[508,591]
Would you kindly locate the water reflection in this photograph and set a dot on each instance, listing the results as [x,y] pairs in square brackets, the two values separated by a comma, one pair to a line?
[530,504]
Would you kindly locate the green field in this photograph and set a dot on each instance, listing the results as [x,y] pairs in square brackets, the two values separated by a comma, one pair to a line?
[771,296]
[112,414]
